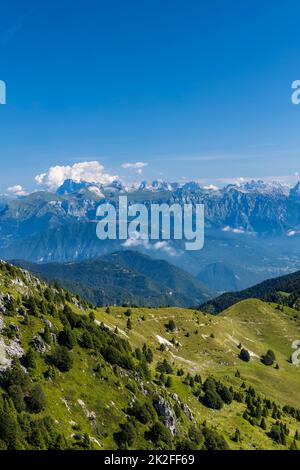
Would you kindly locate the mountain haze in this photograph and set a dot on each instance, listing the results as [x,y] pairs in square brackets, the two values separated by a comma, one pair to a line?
[255,225]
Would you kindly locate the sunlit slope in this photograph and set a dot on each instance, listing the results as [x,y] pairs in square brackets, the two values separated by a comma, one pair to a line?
[209,344]
[89,366]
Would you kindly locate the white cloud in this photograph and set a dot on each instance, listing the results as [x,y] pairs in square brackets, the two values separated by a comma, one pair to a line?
[91,172]
[162,245]
[137,166]
[211,187]
[232,229]
[133,242]
[17,190]
[136,241]
[39,179]
[238,231]
[292,233]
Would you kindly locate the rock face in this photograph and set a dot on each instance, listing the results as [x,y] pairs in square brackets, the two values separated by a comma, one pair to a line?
[39,344]
[185,408]
[8,352]
[165,410]
[188,412]
[54,337]
[14,349]
[2,306]
[4,360]
[77,304]
[47,323]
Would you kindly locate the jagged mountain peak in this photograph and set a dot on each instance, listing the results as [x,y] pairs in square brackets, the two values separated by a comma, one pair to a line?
[71,186]
[266,187]
[253,186]
[295,192]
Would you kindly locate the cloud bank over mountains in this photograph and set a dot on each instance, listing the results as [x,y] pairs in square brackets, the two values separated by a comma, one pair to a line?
[17,190]
[91,172]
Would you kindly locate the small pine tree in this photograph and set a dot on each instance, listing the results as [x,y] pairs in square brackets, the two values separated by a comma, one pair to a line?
[263,424]
[47,335]
[36,400]
[171,325]
[129,324]
[244,355]
[162,378]
[67,338]
[198,379]
[169,382]
[92,316]
[30,359]
[237,435]
[294,445]
[269,358]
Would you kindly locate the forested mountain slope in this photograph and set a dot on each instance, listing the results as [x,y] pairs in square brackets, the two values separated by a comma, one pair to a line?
[72,376]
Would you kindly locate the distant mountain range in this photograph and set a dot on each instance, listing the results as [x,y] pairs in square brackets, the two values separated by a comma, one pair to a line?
[70,186]
[219,278]
[125,277]
[252,230]
[284,289]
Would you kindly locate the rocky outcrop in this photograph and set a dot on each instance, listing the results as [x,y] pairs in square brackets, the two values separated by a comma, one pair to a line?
[165,410]
[188,412]
[47,322]
[185,408]
[39,344]
[8,352]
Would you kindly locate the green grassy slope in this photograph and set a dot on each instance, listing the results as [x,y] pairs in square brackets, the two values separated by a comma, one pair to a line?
[258,326]
[88,403]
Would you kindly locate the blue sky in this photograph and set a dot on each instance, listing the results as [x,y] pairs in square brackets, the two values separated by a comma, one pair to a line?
[194,89]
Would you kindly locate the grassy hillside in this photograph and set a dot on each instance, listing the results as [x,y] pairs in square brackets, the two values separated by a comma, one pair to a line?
[76,377]
[284,290]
